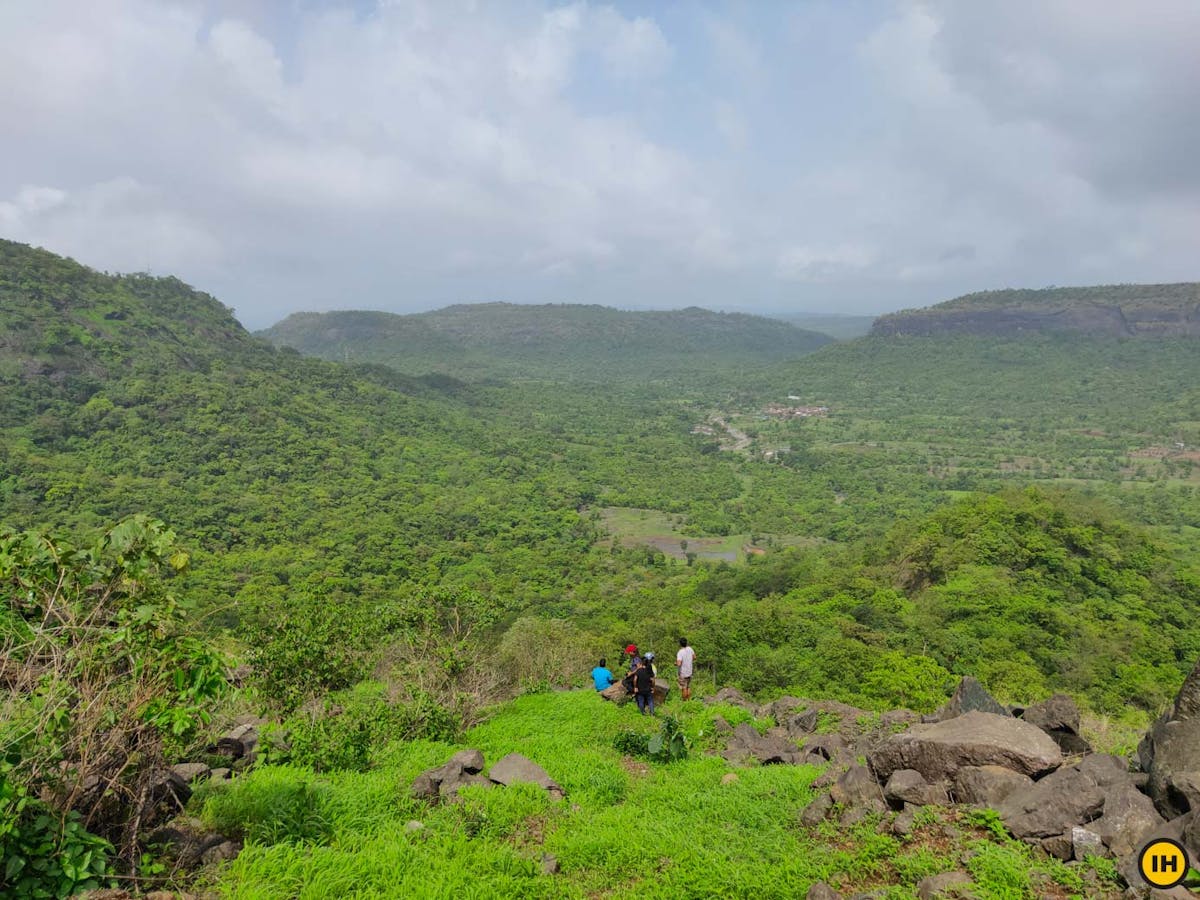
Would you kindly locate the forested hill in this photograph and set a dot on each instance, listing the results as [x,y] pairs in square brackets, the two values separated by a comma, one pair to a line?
[1127,310]
[64,320]
[556,341]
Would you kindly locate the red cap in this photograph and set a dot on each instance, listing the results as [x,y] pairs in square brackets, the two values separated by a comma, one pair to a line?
[631,649]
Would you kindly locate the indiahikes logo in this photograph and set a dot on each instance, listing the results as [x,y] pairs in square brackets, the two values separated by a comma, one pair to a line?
[1163,863]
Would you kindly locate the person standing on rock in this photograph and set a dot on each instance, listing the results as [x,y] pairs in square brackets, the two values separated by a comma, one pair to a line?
[685,661]
[601,677]
[643,688]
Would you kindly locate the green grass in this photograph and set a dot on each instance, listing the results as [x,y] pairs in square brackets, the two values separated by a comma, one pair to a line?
[626,828]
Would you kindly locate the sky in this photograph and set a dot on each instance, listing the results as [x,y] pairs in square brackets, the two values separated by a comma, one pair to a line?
[837,156]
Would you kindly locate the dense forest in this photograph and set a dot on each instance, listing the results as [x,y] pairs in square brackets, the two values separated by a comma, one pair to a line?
[452,509]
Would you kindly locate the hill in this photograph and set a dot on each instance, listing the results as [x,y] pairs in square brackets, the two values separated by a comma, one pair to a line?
[1129,310]
[559,341]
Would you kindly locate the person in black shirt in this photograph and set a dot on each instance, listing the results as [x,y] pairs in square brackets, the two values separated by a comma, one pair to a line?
[643,688]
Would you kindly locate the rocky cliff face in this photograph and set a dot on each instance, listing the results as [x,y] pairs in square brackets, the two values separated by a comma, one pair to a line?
[1126,311]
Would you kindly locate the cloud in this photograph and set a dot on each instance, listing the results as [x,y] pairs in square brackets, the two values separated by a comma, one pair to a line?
[413,153]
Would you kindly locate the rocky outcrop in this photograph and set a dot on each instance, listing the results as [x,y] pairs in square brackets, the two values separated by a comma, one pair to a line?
[1059,717]
[770,749]
[442,783]
[940,749]
[1170,753]
[969,696]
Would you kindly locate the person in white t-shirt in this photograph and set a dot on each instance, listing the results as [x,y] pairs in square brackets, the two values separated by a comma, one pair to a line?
[685,661]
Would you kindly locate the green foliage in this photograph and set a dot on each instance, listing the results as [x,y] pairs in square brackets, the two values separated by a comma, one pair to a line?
[43,854]
[347,729]
[101,673]
[277,804]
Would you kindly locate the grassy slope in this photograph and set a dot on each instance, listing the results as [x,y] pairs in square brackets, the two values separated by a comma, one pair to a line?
[626,829]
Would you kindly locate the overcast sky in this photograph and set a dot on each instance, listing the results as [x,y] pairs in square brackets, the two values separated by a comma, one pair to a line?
[834,156]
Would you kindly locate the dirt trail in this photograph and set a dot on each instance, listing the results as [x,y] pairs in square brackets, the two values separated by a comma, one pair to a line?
[741,440]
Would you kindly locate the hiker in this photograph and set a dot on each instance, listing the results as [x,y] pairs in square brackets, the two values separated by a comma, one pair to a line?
[634,661]
[685,661]
[643,687]
[601,677]
[648,659]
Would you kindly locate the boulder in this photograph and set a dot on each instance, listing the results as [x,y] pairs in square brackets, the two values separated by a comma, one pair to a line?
[515,767]
[1052,806]
[617,694]
[822,748]
[970,696]
[781,710]
[804,723]
[770,749]
[240,743]
[905,821]
[817,810]
[1170,752]
[938,750]
[187,844]
[190,772]
[443,782]
[1173,830]
[822,891]
[987,785]
[1059,846]
[1191,836]
[1128,815]
[948,884]
[733,697]
[857,789]
[1085,843]
[721,726]
[910,786]
[662,690]
[1059,717]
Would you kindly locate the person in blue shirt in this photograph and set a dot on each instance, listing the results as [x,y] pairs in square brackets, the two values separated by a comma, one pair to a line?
[601,677]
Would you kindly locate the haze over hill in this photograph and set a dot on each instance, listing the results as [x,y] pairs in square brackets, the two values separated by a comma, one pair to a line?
[554,340]
[1126,310]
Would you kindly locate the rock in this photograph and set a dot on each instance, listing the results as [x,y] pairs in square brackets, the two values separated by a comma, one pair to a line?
[826,747]
[729,778]
[721,726]
[222,852]
[772,749]
[515,767]
[444,782]
[1170,752]
[857,788]
[804,723]
[617,694]
[470,761]
[822,891]
[1059,718]
[942,885]
[190,772]
[781,709]
[1128,815]
[1059,713]
[1172,830]
[1059,846]
[732,696]
[817,810]
[239,743]
[221,774]
[1086,843]
[910,786]
[905,821]
[662,690]
[1104,769]
[1191,837]
[987,785]
[549,864]
[939,750]
[971,696]
[1052,806]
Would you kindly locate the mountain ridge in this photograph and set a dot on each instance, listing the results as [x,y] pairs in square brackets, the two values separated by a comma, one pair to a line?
[1127,310]
[545,340]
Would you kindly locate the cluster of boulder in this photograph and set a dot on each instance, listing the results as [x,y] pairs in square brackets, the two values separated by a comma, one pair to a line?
[187,843]
[442,783]
[1029,764]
